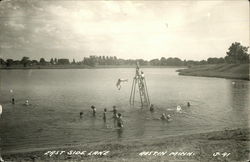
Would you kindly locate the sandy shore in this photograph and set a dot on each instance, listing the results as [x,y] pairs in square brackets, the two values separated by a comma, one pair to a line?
[227,145]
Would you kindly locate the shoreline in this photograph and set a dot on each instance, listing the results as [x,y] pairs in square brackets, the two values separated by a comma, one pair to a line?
[201,145]
[85,67]
[227,71]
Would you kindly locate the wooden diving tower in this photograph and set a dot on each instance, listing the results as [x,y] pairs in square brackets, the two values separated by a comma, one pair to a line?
[139,82]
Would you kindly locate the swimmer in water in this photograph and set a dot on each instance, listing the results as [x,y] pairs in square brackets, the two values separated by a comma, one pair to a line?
[81,113]
[93,110]
[13,100]
[163,117]
[119,120]
[151,109]
[104,115]
[178,109]
[142,75]
[114,112]
[168,117]
[26,103]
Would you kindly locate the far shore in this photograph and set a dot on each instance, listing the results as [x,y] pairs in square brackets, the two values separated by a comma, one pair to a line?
[223,145]
[229,71]
[83,67]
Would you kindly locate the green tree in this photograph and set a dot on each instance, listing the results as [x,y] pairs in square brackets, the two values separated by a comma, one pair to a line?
[237,54]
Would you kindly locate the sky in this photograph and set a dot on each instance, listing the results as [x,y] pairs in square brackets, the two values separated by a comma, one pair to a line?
[191,30]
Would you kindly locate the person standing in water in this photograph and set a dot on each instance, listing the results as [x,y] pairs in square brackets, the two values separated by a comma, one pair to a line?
[151,109]
[119,121]
[93,110]
[163,117]
[114,112]
[13,100]
[81,113]
[188,104]
[104,115]
[115,116]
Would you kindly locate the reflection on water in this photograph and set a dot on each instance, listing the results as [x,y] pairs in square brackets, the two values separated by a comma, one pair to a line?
[57,97]
[119,133]
[240,101]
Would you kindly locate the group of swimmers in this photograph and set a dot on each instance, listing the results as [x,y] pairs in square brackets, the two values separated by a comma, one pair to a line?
[26,103]
[165,117]
[116,116]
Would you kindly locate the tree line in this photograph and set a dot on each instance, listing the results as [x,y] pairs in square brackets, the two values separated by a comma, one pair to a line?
[237,54]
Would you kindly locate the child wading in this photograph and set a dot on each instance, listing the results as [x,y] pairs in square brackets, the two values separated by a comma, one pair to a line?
[119,120]
[13,101]
[81,113]
[104,115]
[151,109]
[93,109]
[163,117]
[114,112]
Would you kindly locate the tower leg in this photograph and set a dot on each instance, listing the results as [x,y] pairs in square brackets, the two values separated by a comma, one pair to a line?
[132,90]
[147,92]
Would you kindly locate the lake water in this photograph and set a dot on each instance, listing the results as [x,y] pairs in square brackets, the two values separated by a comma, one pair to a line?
[57,97]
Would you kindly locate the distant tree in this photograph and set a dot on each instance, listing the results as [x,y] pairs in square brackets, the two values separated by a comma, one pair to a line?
[9,62]
[52,61]
[73,62]
[192,62]
[155,62]
[173,62]
[202,62]
[42,61]
[55,61]
[25,61]
[215,60]
[115,60]
[89,61]
[2,62]
[34,62]
[63,61]
[16,62]
[237,54]
[163,61]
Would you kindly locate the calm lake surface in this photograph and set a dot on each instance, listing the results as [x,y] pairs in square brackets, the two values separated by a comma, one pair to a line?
[57,97]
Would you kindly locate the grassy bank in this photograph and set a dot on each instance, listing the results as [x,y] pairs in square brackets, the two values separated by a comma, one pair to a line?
[203,147]
[232,71]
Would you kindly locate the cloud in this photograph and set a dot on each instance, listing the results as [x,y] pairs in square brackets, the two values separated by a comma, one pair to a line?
[127,29]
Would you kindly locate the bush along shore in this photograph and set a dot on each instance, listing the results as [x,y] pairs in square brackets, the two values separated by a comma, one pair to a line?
[230,71]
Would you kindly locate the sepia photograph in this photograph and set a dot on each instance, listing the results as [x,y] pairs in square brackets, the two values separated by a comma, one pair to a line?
[124,80]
